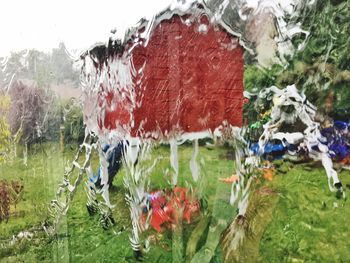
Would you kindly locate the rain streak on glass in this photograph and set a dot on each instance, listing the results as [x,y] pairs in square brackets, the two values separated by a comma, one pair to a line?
[208,131]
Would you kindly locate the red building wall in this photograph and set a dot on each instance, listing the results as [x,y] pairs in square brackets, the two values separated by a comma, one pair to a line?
[192,80]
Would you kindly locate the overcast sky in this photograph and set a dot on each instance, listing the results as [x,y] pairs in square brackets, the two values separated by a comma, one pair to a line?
[42,24]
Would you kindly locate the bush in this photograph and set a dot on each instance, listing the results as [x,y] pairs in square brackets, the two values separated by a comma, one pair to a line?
[27,111]
[10,194]
[74,130]
[5,133]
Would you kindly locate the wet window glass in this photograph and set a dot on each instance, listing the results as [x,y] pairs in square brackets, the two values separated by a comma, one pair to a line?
[174,131]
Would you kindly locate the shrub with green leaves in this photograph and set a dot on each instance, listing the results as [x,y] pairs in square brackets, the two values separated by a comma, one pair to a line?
[321,69]
[73,122]
[5,133]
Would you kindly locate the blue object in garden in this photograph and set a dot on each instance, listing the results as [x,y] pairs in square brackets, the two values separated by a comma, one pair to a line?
[341,125]
[338,139]
[114,160]
[275,149]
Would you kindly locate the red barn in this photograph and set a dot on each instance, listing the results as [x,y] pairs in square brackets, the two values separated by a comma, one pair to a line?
[180,73]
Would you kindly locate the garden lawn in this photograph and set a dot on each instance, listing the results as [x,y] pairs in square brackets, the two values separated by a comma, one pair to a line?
[303,221]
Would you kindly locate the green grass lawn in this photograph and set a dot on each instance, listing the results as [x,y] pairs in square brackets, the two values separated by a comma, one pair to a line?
[295,218]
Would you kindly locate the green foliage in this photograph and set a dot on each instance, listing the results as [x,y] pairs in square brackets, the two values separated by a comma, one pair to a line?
[39,67]
[321,69]
[74,129]
[36,115]
[53,120]
[61,65]
[5,133]
[27,112]
[256,78]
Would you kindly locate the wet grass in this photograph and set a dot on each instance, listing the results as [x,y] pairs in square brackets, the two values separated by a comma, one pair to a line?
[302,222]
[81,239]
[309,223]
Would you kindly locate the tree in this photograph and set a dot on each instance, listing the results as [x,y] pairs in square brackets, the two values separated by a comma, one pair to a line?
[62,65]
[39,68]
[74,130]
[5,133]
[28,111]
[322,68]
